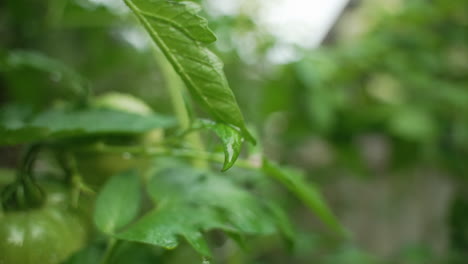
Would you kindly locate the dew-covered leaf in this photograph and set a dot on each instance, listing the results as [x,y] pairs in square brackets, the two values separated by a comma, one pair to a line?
[118,202]
[182,35]
[187,185]
[192,201]
[161,227]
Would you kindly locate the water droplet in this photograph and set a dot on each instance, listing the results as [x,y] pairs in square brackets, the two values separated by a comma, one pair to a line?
[169,243]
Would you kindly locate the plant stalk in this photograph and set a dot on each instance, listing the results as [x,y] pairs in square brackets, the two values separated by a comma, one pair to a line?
[176,90]
[109,251]
[161,151]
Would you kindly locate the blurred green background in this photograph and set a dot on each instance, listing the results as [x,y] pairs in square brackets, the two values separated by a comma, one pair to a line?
[377,114]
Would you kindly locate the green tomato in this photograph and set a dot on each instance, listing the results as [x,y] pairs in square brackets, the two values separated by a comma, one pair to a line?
[97,168]
[46,235]
[122,102]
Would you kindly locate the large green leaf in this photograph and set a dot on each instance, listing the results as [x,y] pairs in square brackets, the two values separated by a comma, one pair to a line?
[118,202]
[57,124]
[191,201]
[187,185]
[99,122]
[305,191]
[182,35]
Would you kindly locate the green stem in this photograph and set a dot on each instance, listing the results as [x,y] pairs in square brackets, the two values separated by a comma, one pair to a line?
[176,89]
[28,159]
[68,163]
[111,245]
[160,151]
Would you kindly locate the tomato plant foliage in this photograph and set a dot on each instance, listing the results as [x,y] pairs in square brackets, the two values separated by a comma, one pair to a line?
[174,188]
[181,35]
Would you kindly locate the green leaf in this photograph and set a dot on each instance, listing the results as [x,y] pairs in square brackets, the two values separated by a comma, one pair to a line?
[187,185]
[161,228]
[283,222]
[192,201]
[118,202]
[128,253]
[25,58]
[14,128]
[182,35]
[308,193]
[59,124]
[90,254]
[21,135]
[230,137]
[98,121]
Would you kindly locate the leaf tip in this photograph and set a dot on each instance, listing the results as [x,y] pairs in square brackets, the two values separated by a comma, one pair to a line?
[226,167]
[229,161]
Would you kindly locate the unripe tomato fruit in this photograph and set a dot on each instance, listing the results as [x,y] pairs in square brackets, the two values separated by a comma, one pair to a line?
[96,168]
[121,102]
[45,235]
